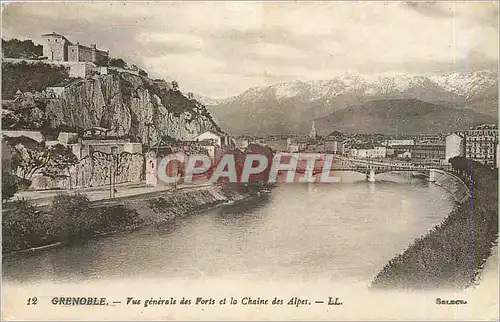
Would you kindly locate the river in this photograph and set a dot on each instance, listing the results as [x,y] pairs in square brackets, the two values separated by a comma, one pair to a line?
[299,232]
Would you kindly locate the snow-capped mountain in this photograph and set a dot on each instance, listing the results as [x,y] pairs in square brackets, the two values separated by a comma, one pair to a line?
[205,100]
[456,86]
[290,106]
[468,85]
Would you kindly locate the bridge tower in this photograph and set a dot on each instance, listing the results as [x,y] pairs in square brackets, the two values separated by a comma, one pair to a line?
[432,175]
[371,175]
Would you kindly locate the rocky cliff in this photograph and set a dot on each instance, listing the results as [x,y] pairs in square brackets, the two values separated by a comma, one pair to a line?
[129,105]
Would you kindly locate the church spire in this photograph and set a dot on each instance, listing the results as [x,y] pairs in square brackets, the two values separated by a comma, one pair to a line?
[313,132]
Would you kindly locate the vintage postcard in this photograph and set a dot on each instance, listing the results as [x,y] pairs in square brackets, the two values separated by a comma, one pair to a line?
[277,160]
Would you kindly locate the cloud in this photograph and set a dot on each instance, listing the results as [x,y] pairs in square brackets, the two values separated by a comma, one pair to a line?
[222,48]
[172,43]
[430,8]
[481,13]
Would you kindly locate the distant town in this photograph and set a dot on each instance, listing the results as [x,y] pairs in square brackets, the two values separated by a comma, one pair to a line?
[479,143]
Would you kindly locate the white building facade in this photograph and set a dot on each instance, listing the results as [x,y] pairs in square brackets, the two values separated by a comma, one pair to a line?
[455,146]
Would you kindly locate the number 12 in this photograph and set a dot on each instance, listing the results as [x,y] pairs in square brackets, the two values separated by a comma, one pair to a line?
[32,301]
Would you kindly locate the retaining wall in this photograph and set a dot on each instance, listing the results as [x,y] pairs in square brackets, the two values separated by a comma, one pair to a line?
[454,185]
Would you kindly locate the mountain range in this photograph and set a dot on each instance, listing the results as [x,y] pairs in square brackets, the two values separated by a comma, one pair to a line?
[412,104]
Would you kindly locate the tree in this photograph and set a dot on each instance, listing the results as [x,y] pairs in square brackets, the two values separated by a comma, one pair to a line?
[61,162]
[462,165]
[30,77]
[30,156]
[117,62]
[15,48]
[175,85]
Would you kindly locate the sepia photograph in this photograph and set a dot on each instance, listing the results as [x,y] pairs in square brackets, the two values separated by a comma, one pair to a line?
[250,160]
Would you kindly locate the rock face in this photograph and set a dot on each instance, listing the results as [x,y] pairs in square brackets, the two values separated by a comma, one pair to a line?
[129,105]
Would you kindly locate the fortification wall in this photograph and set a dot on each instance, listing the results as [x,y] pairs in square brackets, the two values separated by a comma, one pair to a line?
[94,171]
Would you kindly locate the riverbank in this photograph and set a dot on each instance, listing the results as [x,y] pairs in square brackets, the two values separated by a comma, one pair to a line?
[453,253]
[74,218]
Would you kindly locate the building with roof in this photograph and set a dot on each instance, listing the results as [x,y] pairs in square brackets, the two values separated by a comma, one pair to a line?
[209,136]
[481,144]
[219,140]
[398,142]
[58,48]
[429,153]
[280,145]
[373,153]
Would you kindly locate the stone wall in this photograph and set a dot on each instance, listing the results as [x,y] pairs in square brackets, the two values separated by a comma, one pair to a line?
[182,203]
[452,184]
[80,53]
[76,69]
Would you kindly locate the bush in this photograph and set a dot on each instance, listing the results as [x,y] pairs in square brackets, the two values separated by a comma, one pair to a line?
[24,226]
[9,186]
[159,205]
[72,216]
[71,219]
[116,217]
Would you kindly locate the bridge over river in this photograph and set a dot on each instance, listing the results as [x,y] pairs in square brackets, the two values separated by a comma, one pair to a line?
[368,167]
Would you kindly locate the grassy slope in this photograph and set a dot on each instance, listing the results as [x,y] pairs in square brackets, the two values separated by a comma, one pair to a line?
[453,253]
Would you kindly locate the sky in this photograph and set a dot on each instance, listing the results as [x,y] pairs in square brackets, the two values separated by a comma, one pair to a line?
[219,49]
